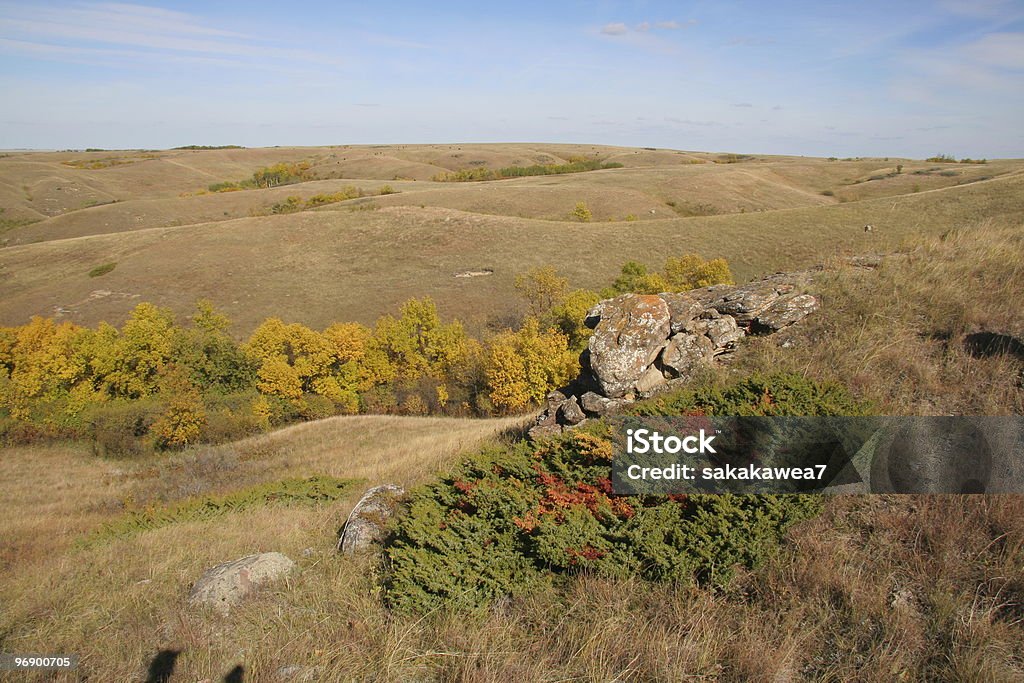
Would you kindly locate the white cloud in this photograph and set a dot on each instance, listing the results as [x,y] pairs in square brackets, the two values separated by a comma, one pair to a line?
[615,29]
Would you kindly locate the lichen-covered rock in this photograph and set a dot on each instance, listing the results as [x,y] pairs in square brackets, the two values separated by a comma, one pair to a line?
[723,332]
[223,586]
[784,312]
[365,524]
[631,332]
[645,344]
[682,308]
[684,353]
[748,301]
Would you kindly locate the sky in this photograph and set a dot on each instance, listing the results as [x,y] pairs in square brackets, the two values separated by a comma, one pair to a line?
[893,78]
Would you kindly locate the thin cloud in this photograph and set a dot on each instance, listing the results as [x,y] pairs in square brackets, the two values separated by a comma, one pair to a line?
[96,29]
[615,29]
[620,29]
[673,25]
[743,105]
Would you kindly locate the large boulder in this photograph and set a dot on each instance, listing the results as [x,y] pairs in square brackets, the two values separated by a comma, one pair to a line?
[631,332]
[746,302]
[366,523]
[222,587]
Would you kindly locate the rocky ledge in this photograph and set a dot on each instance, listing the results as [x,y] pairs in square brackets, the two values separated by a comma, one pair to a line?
[646,344]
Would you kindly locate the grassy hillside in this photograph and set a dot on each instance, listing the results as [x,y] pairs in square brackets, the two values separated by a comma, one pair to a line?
[927,588]
[354,262]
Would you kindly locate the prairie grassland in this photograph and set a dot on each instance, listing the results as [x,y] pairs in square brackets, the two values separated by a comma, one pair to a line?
[936,329]
[877,589]
[90,598]
[336,264]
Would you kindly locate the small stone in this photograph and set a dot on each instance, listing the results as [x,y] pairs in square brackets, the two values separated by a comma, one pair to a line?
[571,413]
[544,431]
[224,585]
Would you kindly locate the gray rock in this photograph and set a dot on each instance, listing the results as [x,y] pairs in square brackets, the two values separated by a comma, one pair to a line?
[365,524]
[596,404]
[723,332]
[593,316]
[684,353]
[554,399]
[571,413]
[747,301]
[682,308]
[632,331]
[784,312]
[543,431]
[224,586]
[650,381]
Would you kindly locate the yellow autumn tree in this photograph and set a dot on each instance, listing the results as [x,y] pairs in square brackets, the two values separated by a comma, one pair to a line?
[46,362]
[543,288]
[130,361]
[523,366]
[417,343]
[690,271]
[184,415]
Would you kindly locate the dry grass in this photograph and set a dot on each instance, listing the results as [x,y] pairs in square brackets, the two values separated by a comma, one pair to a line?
[332,265]
[109,601]
[916,335]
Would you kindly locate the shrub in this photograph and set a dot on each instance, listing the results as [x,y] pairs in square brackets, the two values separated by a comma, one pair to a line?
[941,159]
[102,270]
[582,213]
[309,491]
[774,394]
[121,429]
[690,271]
[512,520]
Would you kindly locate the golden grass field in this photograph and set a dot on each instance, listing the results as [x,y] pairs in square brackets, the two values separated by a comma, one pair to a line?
[358,259]
[900,588]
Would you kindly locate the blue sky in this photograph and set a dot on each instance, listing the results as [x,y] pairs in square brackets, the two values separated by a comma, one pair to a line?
[899,77]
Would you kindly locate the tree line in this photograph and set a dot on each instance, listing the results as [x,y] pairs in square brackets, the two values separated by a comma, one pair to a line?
[157,382]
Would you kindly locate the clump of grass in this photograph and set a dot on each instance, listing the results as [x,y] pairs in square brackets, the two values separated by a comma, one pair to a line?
[102,270]
[301,491]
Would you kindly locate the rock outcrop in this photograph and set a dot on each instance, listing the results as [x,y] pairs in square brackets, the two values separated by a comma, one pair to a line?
[224,585]
[645,344]
[365,524]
